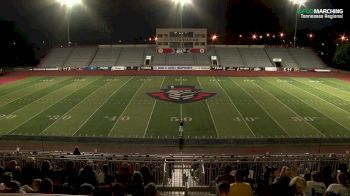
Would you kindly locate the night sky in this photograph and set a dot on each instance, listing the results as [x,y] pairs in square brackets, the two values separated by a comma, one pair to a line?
[107,21]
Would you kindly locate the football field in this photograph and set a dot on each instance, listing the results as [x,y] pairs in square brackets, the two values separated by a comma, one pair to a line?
[151,107]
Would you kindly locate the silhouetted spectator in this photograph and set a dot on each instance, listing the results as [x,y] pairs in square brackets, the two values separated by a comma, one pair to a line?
[342,186]
[69,174]
[46,170]
[146,174]
[14,169]
[13,187]
[118,189]
[315,187]
[87,175]
[137,188]
[46,186]
[226,176]
[151,190]
[124,176]
[29,172]
[86,189]
[76,151]
[280,186]
[297,186]
[224,188]
[101,176]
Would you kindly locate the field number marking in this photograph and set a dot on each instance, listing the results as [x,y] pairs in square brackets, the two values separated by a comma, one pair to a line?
[315,81]
[305,118]
[145,80]
[114,118]
[7,116]
[247,119]
[215,80]
[111,79]
[47,80]
[180,79]
[282,80]
[79,80]
[248,80]
[56,117]
[177,119]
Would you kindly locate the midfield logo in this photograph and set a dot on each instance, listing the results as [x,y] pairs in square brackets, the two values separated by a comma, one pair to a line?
[181,94]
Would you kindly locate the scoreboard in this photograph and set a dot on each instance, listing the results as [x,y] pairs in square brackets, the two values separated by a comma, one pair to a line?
[179,41]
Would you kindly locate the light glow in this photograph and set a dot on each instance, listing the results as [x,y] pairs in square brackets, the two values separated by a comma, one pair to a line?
[70,3]
[214,37]
[181,2]
[298,2]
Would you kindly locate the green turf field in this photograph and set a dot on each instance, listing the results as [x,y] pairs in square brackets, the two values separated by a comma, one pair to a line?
[260,107]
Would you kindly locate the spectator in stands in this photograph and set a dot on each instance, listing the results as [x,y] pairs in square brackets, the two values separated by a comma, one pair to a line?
[239,187]
[14,169]
[224,188]
[101,176]
[226,176]
[86,189]
[46,186]
[146,174]
[76,151]
[124,176]
[69,174]
[29,172]
[315,187]
[137,188]
[87,175]
[46,170]
[118,190]
[36,185]
[13,187]
[342,186]
[151,190]
[280,186]
[297,186]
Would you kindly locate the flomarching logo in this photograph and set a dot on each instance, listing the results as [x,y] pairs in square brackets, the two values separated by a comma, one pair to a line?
[181,94]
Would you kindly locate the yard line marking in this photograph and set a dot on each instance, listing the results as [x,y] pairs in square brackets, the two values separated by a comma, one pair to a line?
[155,101]
[330,118]
[109,97]
[320,98]
[29,93]
[290,109]
[211,115]
[181,103]
[233,104]
[285,131]
[34,101]
[132,98]
[334,82]
[76,105]
[74,90]
[342,98]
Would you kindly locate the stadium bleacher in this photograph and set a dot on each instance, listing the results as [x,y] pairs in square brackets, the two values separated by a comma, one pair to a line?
[228,56]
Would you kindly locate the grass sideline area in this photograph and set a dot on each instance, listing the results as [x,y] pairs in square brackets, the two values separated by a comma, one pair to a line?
[119,107]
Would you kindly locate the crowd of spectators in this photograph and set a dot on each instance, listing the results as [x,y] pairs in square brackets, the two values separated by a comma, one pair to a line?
[67,180]
[284,182]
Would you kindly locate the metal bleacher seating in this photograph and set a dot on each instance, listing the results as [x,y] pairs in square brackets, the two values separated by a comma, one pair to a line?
[306,58]
[255,57]
[131,56]
[229,57]
[80,57]
[282,53]
[180,59]
[157,59]
[56,57]
[106,56]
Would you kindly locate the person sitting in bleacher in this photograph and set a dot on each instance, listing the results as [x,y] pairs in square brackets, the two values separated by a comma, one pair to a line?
[239,187]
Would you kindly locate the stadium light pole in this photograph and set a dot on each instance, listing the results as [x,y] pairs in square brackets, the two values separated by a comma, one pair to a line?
[298,3]
[69,5]
[182,4]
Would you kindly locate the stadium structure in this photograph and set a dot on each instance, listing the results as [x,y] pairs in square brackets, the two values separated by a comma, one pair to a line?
[236,101]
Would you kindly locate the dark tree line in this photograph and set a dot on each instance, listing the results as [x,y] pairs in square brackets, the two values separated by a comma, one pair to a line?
[15,48]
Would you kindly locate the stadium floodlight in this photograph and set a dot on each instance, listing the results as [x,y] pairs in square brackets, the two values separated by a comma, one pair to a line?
[311,35]
[182,3]
[343,38]
[214,37]
[69,4]
[253,36]
[298,3]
